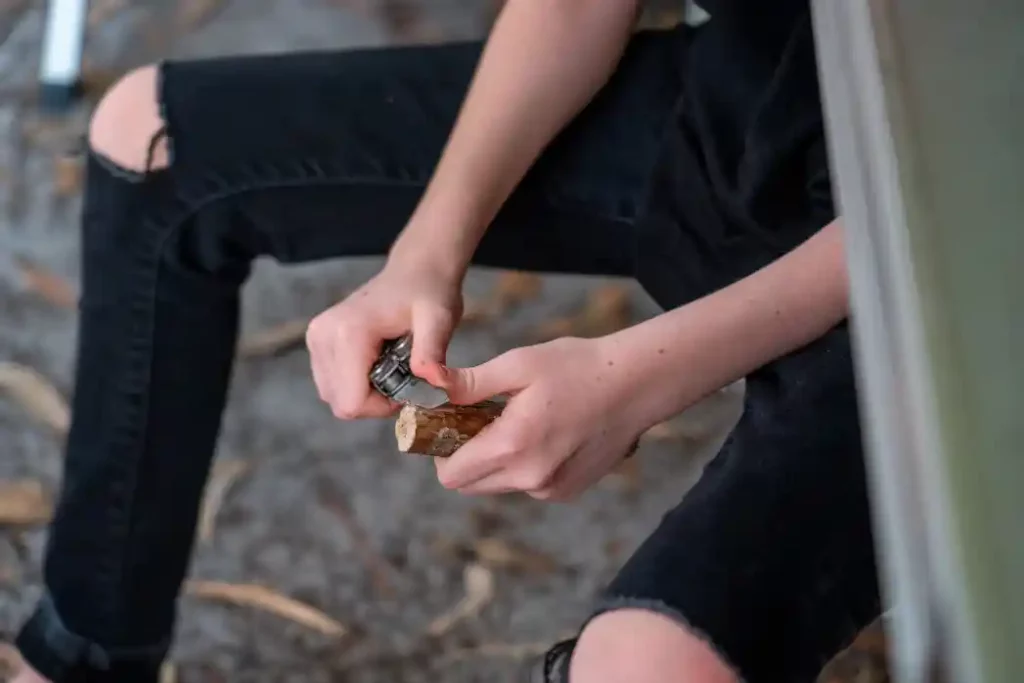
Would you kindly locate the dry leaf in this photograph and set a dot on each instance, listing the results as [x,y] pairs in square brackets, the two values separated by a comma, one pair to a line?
[479,586]
[40,398]
[101,10]
[274,340]
[864,661]
[628,472]
[68,173]
[608,310]
[555,329]
[514,288]
[49,286]
[663,431]
[194,13]
[478,311]
[260,597]
[10,660]
[222,476]
[497,553]
[24,503]
[168,673]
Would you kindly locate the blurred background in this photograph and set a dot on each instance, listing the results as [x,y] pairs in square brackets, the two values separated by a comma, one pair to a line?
[324,554]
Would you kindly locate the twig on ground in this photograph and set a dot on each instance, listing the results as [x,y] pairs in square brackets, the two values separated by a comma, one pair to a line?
[274,340]
[47,285]
[479,586]
[223,476]
[36,395]
[24,503]
[261,597]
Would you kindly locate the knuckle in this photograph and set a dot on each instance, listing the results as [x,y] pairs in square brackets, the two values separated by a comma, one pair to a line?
[344,411]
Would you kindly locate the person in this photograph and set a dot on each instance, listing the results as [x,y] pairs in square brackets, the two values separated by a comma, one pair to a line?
[692,159]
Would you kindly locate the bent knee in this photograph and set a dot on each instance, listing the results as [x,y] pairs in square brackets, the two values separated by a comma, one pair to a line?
[127,127]
[641,646]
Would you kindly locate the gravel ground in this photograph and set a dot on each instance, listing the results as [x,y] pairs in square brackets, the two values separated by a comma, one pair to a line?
[326,513]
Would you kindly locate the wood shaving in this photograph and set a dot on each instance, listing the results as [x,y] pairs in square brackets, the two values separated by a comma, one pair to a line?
[498,553]
[36,395]
[274,340]
[192,14]
[168,673]
[24,503]
[47,285]
[478,581]
[68,174]
[223,476]
[263,598]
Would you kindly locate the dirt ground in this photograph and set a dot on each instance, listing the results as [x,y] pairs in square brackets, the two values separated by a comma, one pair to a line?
[320,512]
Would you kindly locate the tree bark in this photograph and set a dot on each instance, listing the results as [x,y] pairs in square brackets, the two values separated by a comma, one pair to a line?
[440,432]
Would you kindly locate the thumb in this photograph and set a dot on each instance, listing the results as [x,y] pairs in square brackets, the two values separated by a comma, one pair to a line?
[502,375]
[432,328]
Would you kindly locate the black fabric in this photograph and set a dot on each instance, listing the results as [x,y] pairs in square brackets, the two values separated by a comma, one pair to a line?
[743,174]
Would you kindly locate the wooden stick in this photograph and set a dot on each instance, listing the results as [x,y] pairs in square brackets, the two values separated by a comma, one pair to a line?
[439,432]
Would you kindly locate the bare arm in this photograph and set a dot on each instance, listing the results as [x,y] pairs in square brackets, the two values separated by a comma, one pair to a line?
[544,61]
[720,338]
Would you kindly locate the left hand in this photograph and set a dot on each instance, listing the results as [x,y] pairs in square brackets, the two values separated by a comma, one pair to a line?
[567,424]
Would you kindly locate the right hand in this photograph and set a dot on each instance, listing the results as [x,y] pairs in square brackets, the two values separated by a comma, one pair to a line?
[345,340]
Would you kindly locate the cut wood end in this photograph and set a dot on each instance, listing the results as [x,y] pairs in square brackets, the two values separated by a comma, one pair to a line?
[439,432]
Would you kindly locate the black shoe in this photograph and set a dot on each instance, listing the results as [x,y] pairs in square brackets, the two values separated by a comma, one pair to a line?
[554,666]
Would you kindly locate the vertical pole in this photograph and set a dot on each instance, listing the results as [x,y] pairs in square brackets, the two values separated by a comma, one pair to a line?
[61,64]
[924,103]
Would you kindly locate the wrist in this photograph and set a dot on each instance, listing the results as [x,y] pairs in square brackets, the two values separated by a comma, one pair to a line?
[431,248]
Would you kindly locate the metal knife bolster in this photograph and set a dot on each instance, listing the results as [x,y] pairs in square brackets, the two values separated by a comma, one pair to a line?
[392,377]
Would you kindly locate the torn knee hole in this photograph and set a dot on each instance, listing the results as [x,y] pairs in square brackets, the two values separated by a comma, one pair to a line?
[127,128]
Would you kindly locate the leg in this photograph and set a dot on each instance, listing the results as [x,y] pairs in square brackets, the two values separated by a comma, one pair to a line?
[197,169]
[768,562]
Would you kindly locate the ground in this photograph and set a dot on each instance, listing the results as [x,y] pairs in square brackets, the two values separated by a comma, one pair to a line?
[410,582]
[325,513]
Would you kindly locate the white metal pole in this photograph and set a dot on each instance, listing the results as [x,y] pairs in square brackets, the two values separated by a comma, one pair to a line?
[63,41]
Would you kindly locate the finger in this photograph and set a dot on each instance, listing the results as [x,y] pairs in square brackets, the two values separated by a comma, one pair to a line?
[576,475]
[353,354]
[317,366]
[432,328]
[505,374]
[481,456]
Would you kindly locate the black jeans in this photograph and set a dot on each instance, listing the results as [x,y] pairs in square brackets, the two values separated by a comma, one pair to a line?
[323,155]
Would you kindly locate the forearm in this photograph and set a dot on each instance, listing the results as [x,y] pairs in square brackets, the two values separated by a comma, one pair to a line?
[544,61]
[685,354]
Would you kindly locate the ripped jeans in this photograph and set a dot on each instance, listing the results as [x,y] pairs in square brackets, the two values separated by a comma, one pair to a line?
[315,156]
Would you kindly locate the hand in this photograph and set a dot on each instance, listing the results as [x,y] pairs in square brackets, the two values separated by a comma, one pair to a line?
[345,340]
[567,424]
